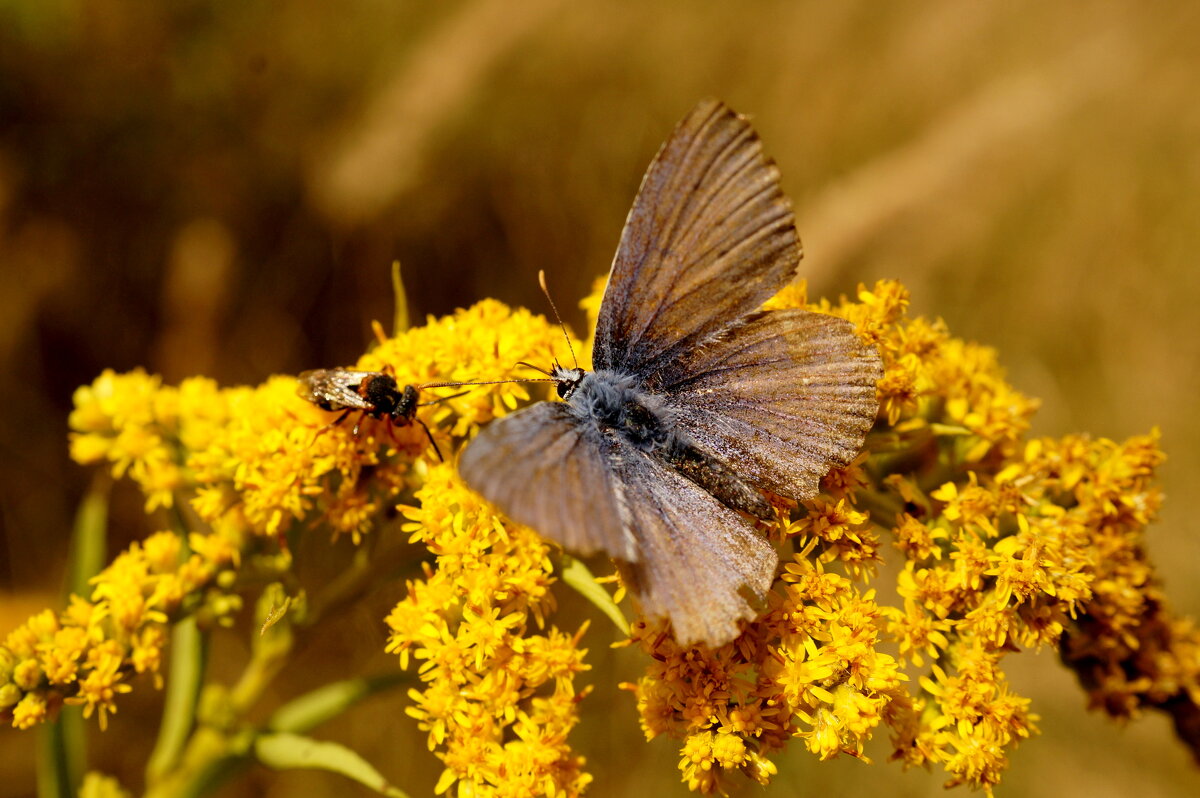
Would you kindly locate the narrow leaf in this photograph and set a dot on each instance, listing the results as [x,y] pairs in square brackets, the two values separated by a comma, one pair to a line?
[89,538]
[314,708]
[284,751]
[400,320]
[577,575]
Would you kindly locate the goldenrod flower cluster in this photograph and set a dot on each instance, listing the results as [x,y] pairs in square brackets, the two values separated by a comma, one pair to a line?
[995,542]
[256,458]
[251,465]
[498,700]
[85,654]
[999,544]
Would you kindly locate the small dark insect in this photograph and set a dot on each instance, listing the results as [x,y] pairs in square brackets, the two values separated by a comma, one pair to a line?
[699,400]
[373,393]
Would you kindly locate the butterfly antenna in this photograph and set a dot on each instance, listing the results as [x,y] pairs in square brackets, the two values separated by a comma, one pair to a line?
[546,291]
[483,382]
[531,366]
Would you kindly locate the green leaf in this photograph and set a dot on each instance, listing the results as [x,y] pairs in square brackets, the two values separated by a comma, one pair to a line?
[274,613]
[314,708]
[89,538]
[284,751]
[577,575]
[400,320]
[949,430]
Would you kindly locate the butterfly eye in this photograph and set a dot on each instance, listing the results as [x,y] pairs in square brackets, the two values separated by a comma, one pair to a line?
[566,380]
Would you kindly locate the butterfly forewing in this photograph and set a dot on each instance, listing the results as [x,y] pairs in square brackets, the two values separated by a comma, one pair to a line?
[547,470]
[709,238]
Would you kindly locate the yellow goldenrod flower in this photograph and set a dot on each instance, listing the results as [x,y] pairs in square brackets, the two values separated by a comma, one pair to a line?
[1005,543]
[999,542]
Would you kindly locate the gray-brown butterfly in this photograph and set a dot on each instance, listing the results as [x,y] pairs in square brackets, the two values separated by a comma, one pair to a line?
[698,400]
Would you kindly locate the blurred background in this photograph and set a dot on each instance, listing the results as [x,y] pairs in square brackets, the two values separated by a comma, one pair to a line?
[219,188]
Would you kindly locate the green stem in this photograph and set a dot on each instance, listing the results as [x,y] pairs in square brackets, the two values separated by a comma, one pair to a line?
[212,758]
[884,508]
[185,677]
[62,742]
[58,770]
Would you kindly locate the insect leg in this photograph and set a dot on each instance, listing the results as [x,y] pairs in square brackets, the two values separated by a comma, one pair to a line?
[329,426]
[429,435]
[443,398]
[390,421]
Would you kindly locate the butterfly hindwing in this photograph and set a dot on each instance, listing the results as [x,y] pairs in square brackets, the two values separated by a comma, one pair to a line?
[546,469]
[786,396]
[702,565]
[709,238]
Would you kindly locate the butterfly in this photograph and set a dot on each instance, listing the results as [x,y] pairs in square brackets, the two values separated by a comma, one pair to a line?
[699,399]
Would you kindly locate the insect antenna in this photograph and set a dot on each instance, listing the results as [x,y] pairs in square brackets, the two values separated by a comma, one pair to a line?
[535,368]
[546,291]
[483,382]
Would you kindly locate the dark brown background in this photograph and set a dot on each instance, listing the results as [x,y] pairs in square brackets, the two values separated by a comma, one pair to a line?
[219,188]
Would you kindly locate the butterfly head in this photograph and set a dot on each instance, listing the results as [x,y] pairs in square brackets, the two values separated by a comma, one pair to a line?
[566,380]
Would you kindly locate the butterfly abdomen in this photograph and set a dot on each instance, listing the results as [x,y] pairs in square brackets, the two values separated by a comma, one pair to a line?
[720,480]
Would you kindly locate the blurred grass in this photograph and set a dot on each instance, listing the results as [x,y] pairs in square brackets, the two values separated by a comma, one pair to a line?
[220,188]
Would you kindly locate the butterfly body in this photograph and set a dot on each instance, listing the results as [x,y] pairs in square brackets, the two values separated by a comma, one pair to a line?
[699,400]
[615,402]
[617,405]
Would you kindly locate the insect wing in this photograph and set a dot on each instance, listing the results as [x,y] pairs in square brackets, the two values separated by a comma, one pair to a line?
[334,387]
[546,469]
[702,565]
[788,396]
[709,238]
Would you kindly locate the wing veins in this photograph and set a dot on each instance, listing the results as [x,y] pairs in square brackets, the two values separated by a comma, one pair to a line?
[680,296]
[709,197]
[671,234]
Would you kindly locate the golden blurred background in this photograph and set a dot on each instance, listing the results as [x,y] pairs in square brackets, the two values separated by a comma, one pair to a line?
[219,188]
